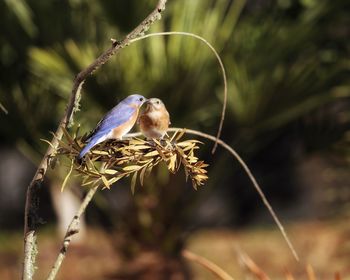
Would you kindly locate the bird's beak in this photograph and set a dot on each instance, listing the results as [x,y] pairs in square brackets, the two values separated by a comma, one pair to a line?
[147,103]
[144,102]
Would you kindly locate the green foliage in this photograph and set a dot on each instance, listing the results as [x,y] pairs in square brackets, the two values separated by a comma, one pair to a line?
[287,65]
[274,56]
[289,68]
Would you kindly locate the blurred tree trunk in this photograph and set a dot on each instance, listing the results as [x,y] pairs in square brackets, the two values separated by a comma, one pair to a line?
[66,205]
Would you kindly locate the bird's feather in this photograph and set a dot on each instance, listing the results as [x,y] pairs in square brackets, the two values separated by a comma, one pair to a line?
[119,115]
[114,118]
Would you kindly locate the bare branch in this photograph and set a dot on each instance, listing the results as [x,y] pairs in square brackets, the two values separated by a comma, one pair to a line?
[73,229]
[30,216]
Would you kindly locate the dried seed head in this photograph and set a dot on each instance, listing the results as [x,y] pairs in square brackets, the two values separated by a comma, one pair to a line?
[113,160]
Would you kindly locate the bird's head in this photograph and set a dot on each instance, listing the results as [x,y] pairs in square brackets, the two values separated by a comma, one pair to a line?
[135,100]
[154,104]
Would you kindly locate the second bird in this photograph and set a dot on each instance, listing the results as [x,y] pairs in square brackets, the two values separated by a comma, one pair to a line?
[154,120]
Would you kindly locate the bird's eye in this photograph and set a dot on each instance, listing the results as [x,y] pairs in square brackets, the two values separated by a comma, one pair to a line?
[141,99]
[158,102]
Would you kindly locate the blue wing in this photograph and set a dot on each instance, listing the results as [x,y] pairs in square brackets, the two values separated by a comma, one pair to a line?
[114,118]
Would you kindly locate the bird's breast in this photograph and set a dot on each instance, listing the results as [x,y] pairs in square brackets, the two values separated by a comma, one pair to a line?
[119,131]
[155,119]
[154,124]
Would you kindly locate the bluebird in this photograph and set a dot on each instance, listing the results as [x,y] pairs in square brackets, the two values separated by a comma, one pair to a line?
[154,120]
[116,123]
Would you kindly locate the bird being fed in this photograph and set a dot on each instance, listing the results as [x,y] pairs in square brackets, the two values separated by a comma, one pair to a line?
[154,120]
[116,123]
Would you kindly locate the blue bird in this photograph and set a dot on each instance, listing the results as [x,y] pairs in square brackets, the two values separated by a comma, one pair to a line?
[116,123]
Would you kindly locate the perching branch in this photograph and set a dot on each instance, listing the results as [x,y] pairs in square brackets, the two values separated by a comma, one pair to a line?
[249,173]
[30,215]
[73,229]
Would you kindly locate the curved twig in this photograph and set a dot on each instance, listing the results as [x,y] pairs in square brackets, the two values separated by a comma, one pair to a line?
[212,267]
[249,173]
[30,216]
[217,57]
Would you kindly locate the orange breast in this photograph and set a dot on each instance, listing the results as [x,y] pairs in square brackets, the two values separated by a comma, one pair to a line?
[154,125]
[123,129]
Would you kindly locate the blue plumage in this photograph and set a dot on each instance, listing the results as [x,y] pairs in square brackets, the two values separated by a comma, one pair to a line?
[118,116]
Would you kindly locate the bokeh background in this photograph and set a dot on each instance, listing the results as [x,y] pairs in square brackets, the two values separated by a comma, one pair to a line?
[288,116]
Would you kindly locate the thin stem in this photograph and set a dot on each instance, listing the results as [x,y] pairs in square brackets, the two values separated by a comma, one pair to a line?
[249,173]
[73,229]
[251,266]
[30,215]
[221,67]
[2,107]
[212,267]
[253,180]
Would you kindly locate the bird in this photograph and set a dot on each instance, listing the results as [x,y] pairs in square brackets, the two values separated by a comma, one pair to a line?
[116,123]
[154,120]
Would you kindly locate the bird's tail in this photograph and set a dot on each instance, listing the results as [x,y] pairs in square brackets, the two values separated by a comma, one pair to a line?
[93,141]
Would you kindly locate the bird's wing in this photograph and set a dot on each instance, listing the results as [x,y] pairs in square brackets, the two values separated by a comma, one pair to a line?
[114,118]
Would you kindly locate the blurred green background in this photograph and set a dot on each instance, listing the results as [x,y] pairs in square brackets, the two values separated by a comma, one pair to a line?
[288,116]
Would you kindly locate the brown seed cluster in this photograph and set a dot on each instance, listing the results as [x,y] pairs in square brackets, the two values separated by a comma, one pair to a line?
[111,161]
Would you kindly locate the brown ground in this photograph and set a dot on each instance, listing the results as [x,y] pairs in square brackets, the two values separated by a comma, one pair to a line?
[324,245]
